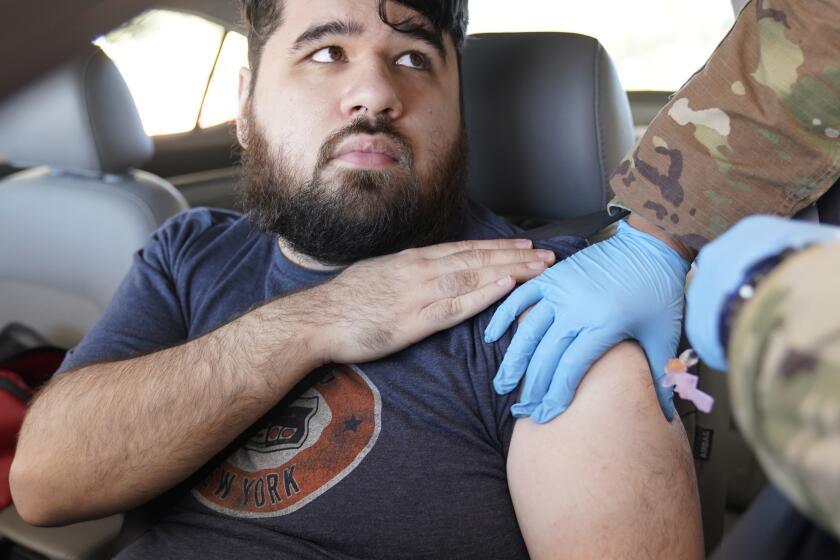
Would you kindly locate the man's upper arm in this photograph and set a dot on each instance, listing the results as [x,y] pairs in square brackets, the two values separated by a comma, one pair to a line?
[610,477]
[144,314]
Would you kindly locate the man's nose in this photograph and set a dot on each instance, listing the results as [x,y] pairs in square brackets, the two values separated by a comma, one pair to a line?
[371,90]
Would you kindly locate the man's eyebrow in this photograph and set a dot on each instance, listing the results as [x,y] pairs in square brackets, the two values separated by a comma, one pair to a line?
[321,30]
[431,39]
[338,27]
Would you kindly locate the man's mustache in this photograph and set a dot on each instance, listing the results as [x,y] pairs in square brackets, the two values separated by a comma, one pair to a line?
[362,125]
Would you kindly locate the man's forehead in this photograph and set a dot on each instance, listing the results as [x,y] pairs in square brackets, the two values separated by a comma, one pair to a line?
[299,15]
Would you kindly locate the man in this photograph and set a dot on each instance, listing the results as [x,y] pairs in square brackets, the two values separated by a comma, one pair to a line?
[296,408]
[756,130]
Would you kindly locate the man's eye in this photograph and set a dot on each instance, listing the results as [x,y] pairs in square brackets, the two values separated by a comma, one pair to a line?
[328,54]
[414,60]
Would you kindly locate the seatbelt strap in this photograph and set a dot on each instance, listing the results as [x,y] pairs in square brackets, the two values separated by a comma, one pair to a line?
[828,206]
[584,226]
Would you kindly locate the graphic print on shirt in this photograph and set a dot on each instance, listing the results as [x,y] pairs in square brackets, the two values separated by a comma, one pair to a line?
[300,451]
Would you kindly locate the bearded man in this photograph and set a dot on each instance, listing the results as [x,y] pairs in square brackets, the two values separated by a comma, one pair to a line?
[310,380]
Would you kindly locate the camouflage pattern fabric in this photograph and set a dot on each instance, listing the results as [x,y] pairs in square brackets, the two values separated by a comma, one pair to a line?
[756,130]
[784,380]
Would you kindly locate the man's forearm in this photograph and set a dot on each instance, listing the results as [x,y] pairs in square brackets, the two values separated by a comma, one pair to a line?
[153,420]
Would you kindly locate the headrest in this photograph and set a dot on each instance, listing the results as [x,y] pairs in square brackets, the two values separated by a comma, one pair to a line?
[547,121]
[79,117]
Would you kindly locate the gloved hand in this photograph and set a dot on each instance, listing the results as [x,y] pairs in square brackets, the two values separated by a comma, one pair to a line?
[722,267]
[628,286]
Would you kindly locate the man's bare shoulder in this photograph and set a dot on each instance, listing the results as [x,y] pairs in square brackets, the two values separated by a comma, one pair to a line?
[610,477]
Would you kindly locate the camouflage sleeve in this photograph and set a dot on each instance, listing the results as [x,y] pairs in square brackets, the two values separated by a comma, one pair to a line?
[784,380]
[756,130]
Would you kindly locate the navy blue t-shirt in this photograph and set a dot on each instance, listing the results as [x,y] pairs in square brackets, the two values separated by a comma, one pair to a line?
[403,457]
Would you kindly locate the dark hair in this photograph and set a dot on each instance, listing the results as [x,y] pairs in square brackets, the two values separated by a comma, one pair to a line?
[263,17]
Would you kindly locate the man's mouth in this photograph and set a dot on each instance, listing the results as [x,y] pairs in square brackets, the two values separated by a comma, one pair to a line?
[366,151]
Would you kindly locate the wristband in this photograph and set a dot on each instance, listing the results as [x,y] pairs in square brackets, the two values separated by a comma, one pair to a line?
[746,291]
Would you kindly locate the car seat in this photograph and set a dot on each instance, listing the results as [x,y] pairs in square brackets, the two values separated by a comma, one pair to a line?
[69,224]
[548,121]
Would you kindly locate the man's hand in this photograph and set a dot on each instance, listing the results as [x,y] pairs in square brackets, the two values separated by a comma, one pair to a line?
[380,306]
[629,286]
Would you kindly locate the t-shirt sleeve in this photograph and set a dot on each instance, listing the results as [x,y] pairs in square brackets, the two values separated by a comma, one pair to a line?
[494,408]
[146,313]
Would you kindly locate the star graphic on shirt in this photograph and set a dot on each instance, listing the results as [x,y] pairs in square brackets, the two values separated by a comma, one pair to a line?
[352,424]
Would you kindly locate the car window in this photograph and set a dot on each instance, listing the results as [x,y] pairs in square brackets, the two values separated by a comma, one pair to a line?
[172,61]
[182,69]
[221,102]
[656,45]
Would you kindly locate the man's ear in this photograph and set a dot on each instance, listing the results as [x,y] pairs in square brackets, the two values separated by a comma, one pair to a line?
[245,77]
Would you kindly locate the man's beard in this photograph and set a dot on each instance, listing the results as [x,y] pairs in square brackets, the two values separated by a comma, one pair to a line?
[353,214]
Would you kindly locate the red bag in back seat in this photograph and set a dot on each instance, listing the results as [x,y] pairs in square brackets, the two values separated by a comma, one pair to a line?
[14,394]
[19,377]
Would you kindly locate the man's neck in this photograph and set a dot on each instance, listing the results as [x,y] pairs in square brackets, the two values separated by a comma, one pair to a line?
[302,260]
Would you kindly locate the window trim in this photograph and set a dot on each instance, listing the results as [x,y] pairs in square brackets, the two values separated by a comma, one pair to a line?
[210,78]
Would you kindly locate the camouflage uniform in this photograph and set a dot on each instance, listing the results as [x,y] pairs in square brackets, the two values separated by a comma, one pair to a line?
[784,380]
[755,131]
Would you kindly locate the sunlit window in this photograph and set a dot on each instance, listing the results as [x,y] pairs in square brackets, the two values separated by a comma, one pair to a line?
[655,44]
[167,59]
[220,104]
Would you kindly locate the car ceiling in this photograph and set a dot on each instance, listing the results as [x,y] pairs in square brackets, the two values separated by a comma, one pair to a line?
[36,36]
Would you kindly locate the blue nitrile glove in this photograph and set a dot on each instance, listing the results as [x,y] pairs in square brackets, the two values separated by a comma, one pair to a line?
[722,267]
[630,286]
